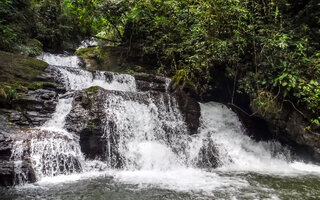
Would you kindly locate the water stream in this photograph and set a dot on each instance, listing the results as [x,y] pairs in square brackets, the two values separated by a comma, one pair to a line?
[159,159]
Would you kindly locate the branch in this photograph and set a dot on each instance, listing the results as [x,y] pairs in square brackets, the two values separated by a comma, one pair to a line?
[295,108]
[250,115]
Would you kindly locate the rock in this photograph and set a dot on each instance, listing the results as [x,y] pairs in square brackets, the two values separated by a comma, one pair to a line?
[290,128]
[85,119]
[147,82]
[34,108]
[208,155]
[190,109]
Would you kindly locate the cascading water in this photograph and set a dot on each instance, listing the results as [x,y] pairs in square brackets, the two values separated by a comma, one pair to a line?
[88,43]
[138,121]
[237,151]
[147,138]
[54,151]
[60,60]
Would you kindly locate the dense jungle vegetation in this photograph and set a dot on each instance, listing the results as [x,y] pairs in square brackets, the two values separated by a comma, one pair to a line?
[270,49]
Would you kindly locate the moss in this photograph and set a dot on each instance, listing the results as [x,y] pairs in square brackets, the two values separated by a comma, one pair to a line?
[89,53]
[39,85]
[91,125]
[15,68]
[94,89]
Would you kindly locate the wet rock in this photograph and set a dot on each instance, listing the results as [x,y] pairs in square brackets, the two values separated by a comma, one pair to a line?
[85,119]
[147,82]
[34,108]
[290,128]
[53,75]
[190,108]
[208,155]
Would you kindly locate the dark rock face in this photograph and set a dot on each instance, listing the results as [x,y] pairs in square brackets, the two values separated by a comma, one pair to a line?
[147,82]
[34,108]
[85,119]
[6,167]
[290,128]
[190,109]
[208,156]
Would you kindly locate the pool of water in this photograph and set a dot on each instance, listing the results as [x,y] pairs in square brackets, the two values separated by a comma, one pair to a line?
[143,185]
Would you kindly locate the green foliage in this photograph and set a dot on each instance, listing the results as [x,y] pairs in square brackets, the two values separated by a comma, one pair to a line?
[9,93]
[52,22]
[90,53]
[266,104]
[268,47]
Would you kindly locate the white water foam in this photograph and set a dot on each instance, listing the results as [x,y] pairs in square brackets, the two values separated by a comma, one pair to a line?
[55,153]
[81,79]
[88,43]
[60,60]
[180,179]
[238,152]
[57,122]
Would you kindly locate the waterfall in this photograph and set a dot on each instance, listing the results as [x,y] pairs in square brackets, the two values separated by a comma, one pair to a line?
[53,150]
[60,60]
[55,153]
[236,150]
[135,122]
[88,43]
[78,79]
[146,136]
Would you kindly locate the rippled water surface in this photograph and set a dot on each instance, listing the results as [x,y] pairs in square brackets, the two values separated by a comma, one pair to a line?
[117,185]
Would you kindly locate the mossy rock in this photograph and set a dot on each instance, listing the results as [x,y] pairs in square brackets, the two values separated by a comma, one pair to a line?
[17,67]
[18,74]
[89,53]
